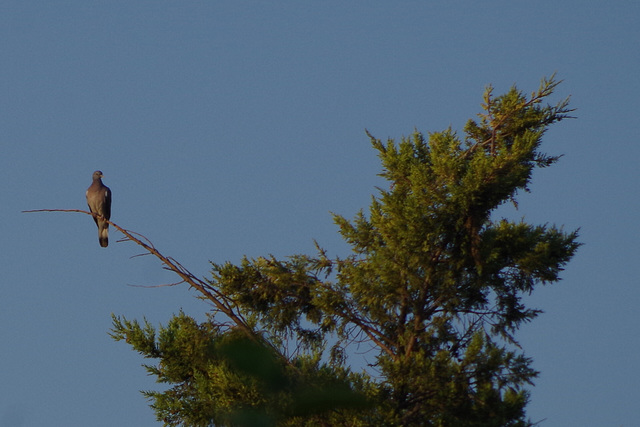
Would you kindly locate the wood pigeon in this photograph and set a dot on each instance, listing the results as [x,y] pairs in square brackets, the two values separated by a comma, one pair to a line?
[99,201]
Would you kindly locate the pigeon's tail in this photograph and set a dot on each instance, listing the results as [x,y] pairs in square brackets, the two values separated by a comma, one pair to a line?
[103,235]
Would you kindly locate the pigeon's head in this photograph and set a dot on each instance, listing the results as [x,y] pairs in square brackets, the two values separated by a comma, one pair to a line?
[97,175]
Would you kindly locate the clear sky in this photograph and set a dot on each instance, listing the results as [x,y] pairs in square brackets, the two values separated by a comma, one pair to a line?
[233,127]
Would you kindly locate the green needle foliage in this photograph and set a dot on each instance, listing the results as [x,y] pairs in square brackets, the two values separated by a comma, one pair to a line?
[434,286]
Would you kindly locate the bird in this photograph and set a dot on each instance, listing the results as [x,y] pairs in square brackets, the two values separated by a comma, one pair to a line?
[99,201]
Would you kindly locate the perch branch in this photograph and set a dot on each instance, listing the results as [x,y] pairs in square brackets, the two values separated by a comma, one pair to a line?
[223,303]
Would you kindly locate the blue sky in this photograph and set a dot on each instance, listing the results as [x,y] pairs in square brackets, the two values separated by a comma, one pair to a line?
[233,127]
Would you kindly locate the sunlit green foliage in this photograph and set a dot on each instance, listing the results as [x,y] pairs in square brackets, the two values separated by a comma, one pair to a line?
[434,284]
[227,379]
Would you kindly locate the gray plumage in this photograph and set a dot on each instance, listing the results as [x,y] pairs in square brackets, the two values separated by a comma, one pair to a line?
[99,201]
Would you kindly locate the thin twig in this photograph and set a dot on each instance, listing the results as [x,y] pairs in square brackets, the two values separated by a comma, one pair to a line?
[156,286]
[132,256]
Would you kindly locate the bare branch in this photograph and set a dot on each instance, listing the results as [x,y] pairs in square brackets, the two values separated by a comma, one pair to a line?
[220,301]
[132,256]
[157,286]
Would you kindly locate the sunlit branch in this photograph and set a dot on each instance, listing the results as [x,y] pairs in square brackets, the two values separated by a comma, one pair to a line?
[219,300]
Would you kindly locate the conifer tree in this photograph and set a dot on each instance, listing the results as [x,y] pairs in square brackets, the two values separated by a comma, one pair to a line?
[434,284]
